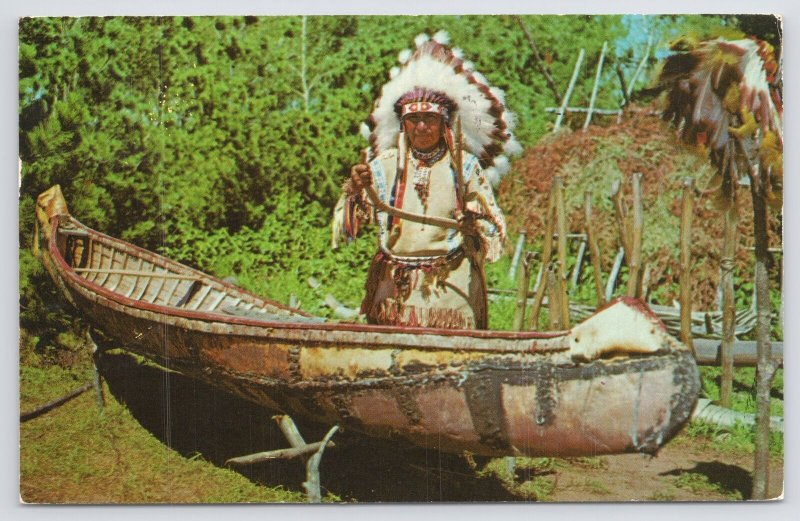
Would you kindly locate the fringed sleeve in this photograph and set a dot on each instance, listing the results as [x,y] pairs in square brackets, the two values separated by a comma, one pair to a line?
[480,199]
[349,215]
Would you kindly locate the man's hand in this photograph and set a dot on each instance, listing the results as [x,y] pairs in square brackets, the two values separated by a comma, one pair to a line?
[360,178]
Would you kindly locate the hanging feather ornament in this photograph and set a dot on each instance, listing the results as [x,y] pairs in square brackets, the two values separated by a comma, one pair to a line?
[723,96]
[439,74]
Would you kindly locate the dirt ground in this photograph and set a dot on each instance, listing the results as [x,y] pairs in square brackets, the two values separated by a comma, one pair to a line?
[682,471]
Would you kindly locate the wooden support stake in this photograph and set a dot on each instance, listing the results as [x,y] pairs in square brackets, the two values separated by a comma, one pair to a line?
[572,81]
[312,483]
[687,209]
[728,305]
[554,298]
[594,248]
[547,252]
[512,271]
[289,430]
[294,452]
[637,228]
[522,292]
[596,86]
[620,212]
[561,224]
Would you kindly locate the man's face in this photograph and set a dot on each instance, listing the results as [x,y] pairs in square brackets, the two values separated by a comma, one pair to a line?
[424,130]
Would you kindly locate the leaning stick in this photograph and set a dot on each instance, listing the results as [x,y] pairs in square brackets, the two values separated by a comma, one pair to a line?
[522,292]
[25,416]
[620,212]
[572,81]
[635,259]
[595,87]
[594,249]
[547,252]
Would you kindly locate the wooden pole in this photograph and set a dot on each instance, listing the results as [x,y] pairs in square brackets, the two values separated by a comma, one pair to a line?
[512,270]
[294,452]
[561,223]
[596,86]
[594,248]
[572,81]
[554,298]
[637,228]
[765,370]
[687,209]
[537,59]
[620,212]
[547,252]
[522,293]
[312,483]
[728,305]
[584,110]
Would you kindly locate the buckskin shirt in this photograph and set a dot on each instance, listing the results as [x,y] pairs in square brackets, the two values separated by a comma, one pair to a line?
[425,275]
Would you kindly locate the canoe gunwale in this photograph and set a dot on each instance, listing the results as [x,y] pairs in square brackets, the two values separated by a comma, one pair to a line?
[67,271]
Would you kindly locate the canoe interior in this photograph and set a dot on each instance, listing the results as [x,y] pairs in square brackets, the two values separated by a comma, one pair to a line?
[145,277]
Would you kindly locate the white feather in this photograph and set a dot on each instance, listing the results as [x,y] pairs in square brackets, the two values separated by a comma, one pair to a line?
[441,37]
[480,78]
[499,94]
[420,39]
[502,165]
[512,148]
[492,175]
[458,53]
[510,118]
[394,72]
[404,55]
[468,65]
[364,130]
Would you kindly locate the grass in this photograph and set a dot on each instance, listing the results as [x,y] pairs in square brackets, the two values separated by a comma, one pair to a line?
[81,454]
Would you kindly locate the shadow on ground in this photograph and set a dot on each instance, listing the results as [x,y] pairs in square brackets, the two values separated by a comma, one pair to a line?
[194,418]
[729,478]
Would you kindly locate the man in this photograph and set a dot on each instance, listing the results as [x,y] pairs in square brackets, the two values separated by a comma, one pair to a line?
[427,274]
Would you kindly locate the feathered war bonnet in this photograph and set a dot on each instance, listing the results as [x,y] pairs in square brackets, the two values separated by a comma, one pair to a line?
[437,76]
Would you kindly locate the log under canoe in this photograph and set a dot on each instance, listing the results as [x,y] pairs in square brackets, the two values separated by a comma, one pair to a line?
[615,383]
